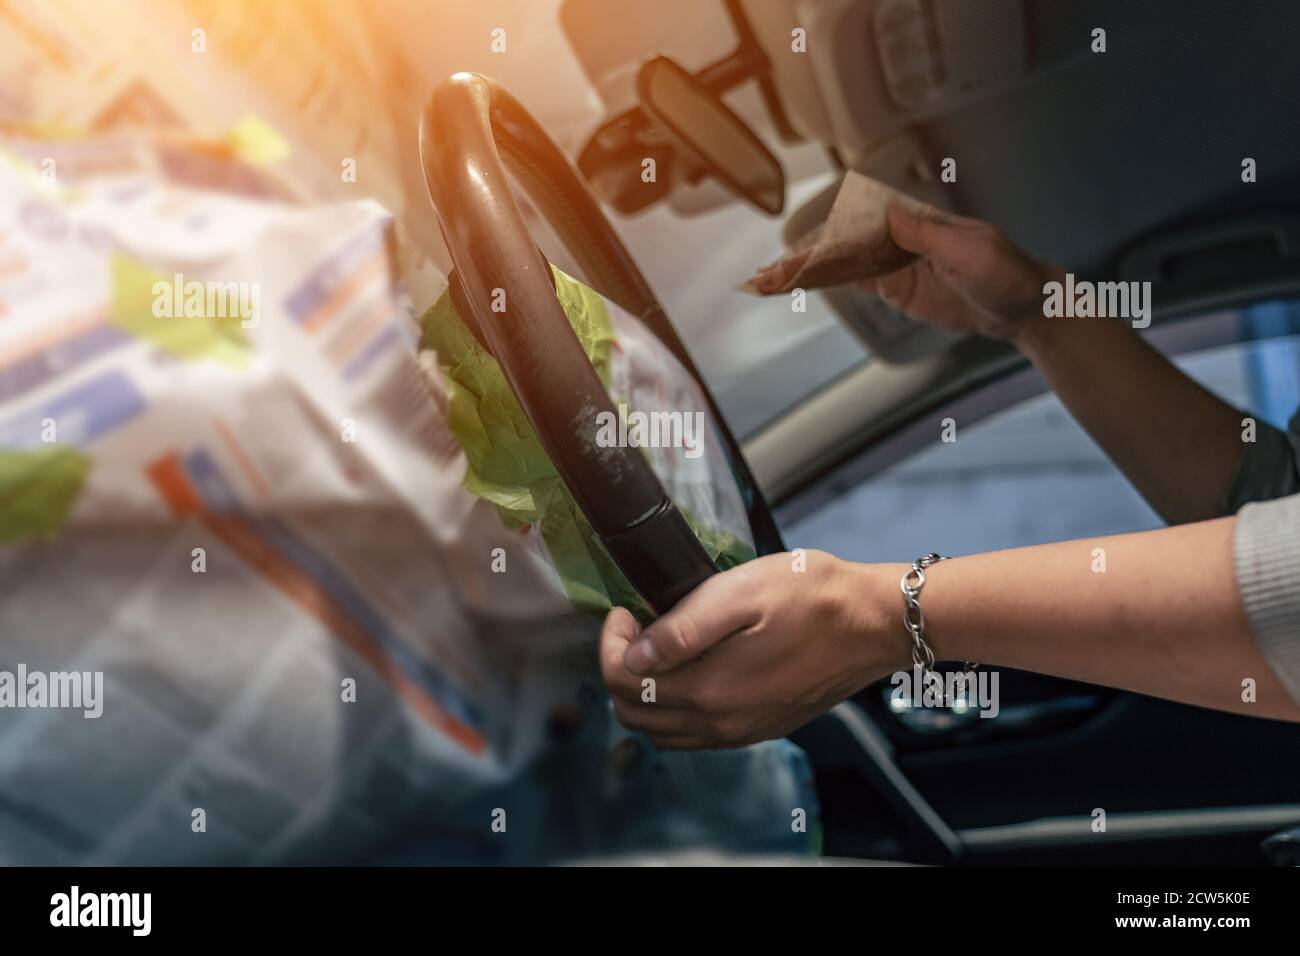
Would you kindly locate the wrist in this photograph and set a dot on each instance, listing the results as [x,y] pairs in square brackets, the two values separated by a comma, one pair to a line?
[1035,329]
[949,630]
[1032,336]
[869,613]
[938,598]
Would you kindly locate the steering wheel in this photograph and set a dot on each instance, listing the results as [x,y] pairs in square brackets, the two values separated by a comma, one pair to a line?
[470,131]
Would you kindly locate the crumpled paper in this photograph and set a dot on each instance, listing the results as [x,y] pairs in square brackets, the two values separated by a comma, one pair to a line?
[854,243]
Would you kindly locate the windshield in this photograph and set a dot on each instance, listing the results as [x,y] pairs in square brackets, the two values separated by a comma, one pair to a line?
[759,356]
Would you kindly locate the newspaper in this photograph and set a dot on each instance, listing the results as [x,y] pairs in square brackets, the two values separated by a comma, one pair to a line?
[229,487]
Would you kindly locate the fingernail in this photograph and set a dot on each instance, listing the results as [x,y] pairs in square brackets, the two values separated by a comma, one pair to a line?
[640,658]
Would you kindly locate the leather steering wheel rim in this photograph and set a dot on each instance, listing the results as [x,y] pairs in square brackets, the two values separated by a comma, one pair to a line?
[470,131]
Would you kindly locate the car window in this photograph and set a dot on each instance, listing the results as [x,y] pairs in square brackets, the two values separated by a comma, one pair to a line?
[1030,474]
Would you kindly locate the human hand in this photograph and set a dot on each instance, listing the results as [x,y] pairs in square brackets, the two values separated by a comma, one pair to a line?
[755,652]
[969,276]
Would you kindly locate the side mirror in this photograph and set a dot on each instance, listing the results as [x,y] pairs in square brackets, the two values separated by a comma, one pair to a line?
[708,135]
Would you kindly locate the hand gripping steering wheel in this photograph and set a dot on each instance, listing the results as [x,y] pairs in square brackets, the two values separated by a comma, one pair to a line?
[471,130]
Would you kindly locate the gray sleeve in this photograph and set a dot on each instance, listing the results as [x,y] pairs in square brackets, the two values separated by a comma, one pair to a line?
[1266,548]
[1266,554]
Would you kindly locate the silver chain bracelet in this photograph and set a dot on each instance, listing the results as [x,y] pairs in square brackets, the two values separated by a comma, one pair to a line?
[914,619]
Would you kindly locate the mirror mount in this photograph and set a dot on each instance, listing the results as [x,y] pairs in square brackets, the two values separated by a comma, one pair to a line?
[611,159]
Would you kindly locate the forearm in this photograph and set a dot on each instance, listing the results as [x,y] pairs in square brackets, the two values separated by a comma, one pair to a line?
[1175,441]
[1163,617]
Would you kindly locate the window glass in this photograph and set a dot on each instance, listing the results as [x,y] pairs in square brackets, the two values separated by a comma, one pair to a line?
[1030,474]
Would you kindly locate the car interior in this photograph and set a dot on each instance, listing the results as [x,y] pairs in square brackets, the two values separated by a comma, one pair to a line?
[1120,171]
[681,143]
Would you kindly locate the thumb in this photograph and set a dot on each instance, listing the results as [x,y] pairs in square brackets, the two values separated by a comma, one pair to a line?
[718,608]
[939,236]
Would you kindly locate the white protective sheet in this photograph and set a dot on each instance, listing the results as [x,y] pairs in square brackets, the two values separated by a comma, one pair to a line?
[234,517]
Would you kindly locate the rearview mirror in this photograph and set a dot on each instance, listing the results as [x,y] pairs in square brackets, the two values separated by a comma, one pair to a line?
[707,134]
